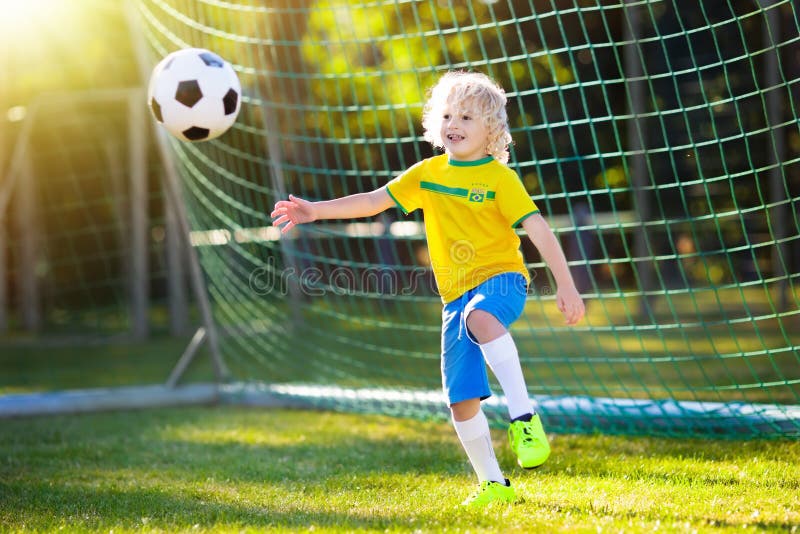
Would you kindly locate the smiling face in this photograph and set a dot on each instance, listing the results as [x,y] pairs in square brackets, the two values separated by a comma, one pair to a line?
[463,132]
[465,115]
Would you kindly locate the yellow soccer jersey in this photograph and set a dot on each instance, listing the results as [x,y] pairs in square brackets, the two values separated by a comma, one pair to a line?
[470,210]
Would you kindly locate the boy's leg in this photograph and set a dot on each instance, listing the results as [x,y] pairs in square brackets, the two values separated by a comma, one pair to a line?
[501,355]
[495,306]
[472,429]
[465,383]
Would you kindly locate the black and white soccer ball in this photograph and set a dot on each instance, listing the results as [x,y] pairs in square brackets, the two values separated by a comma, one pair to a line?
[194,94]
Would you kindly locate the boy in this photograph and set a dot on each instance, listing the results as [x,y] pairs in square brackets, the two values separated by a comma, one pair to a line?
[471,202]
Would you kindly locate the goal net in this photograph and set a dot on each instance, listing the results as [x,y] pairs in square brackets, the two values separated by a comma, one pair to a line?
[660,139]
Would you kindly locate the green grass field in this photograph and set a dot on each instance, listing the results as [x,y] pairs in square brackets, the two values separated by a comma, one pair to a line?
[244,470]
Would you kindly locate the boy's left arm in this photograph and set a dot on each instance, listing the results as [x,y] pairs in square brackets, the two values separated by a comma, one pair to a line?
[568,299]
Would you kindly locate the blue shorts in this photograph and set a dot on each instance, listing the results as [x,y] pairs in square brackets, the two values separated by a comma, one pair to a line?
[463,368]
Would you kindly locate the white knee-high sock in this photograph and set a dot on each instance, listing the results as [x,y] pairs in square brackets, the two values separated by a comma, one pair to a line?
[503,359]
[477,442]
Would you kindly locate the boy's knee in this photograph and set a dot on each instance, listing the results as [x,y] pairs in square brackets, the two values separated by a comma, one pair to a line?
[484,326]
[466,409]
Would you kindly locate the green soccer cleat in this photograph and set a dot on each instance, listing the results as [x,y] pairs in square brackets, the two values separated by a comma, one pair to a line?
[529,442]
[489,492]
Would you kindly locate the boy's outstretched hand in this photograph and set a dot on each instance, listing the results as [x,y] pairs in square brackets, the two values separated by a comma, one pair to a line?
[570,303]
[292,212]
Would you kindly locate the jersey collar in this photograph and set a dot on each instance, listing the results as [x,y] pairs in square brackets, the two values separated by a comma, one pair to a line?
[473,163]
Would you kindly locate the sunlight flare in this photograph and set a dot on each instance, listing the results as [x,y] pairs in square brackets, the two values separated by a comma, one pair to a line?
[25,22]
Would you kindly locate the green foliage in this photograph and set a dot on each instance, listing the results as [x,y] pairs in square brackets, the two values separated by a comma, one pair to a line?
[234,470]
[373,64]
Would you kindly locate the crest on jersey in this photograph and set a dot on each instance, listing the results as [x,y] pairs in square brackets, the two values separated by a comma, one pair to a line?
[477,194]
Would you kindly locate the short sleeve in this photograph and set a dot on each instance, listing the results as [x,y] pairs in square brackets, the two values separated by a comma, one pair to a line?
[513,200]
[405,190]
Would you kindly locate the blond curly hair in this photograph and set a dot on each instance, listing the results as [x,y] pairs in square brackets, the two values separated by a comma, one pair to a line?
[484,97]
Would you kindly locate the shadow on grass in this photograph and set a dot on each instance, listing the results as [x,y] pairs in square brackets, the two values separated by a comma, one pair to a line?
[178,468]
[44,505]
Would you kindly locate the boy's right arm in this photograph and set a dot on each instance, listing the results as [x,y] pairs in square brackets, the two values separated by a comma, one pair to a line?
[296,210]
